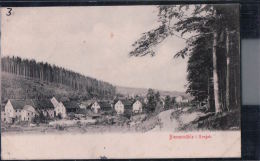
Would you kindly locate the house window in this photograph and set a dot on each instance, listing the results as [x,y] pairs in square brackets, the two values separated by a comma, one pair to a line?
[4,119]
[15,110]
[28,114]
[28,118]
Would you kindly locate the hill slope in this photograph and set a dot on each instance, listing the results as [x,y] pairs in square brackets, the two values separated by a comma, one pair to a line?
[46,72]
[19,87]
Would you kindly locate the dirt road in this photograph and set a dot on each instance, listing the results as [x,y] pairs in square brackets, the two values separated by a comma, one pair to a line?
[166,122]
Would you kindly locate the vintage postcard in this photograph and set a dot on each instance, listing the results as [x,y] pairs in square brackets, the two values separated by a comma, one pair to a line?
[92,82]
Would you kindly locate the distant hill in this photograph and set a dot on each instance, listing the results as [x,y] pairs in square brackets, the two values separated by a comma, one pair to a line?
[45,72]
[143,91]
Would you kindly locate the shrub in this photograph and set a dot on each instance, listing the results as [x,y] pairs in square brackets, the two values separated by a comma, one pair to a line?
[59,127]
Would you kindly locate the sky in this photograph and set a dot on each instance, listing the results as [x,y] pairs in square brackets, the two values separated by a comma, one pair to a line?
[95,41]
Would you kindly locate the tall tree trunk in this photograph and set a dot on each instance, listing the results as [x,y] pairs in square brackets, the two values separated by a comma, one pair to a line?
[215,74]
[208,99]
[235,87]
[228,69]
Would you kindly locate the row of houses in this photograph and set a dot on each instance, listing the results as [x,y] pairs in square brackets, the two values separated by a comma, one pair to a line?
[26,110]
[119,106]
[178,99]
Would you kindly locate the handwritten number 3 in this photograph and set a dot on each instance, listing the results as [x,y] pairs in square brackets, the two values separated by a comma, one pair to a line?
[9,11]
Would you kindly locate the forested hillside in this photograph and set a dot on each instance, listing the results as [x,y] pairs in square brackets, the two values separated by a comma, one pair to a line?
[46,73]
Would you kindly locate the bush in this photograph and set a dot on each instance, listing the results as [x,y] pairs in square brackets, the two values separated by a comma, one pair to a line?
[79,124]
[40,118]
[59,127]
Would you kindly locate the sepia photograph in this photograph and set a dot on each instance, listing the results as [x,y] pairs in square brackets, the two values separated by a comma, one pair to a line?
[93,82]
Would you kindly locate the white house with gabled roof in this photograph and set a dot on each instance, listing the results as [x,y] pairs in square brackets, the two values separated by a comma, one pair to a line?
[119,107]
[19,110]
[137,107]
[28,113]
[59,108]
[95,107]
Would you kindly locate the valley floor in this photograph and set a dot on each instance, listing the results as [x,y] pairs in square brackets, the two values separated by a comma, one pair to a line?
[168,121]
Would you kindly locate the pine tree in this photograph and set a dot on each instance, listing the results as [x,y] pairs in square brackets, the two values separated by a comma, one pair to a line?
[48,73]
[204,23]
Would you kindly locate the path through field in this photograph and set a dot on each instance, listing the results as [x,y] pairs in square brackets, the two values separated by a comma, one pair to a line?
[168,123]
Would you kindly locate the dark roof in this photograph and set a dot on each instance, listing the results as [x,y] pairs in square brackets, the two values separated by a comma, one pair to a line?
[19,104]
[127,103]
[71,105]
[140,100]
[104,105]
[81,111]
[43,104]
[88,102]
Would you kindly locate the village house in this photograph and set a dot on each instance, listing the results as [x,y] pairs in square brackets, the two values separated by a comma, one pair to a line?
[137,107]
[19,110]
[59,108]
[81,113]
[28,113]
[119,107]
[185,100]
[85,105]
[3,116]
[178,99]
[45,106]
[105,105]
[162,100]
[95,107]
[122,105]
[88,103]
[71,106]
[82,106]
[10,112]
[181,99]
